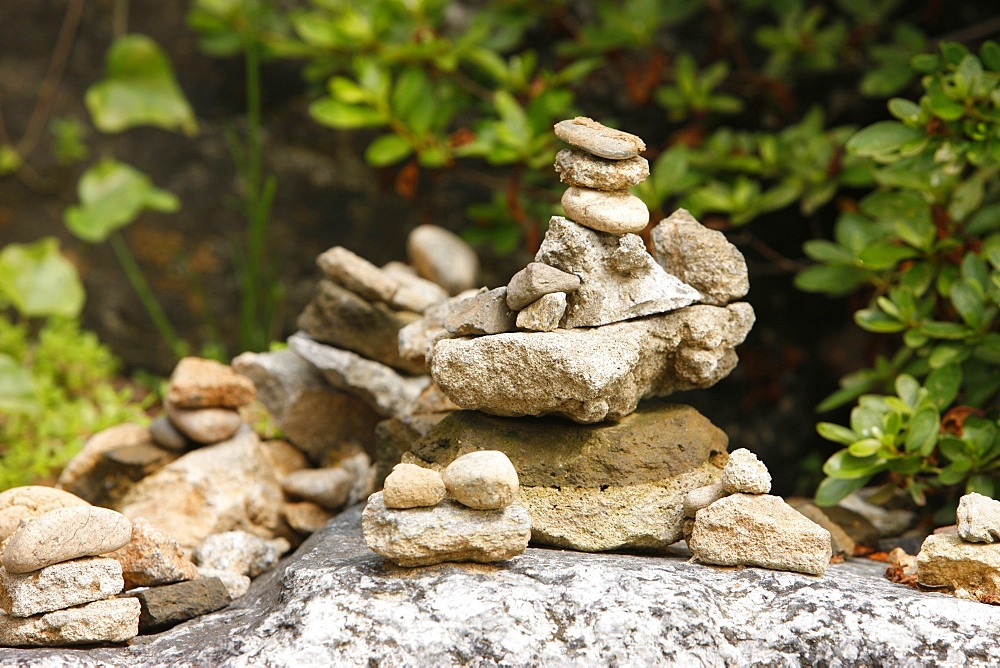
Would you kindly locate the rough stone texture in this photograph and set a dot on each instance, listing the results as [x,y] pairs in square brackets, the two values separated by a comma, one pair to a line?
[446,532]
[117,471]
[365,279]
[205,425]
[978,518]
[598,139]
[418,338]
[204,383]
[840,542]
[618,212]
[443,257]
[152,557]
[759,530]
[537,280]
[77,477]
[412,486]
[578,168]
[485,313]
[110,621]
[59,586]
[336,603]
[329,487]
[221,487]
[343,319]
[544,314]
[166,606]
[164,434]
[28,502]
[745,473]
[702,497]
[859,529]
[619,279]
[240,552]
[594,374]
[702,258]
[387,392]
[311,414]
[971,569]
[63,534]
[483,480]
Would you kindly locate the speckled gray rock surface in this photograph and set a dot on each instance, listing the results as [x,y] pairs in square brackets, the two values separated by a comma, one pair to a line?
[336,603]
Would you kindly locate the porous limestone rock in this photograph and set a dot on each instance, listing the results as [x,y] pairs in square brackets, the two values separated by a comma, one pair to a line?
[485,313]
[109,621]
[971,569]
[443,257]
[382,388]
[446,532]
[203,383]
[701,257]
[619,280]
[578,168]
[204,425]
[617,212]
[152,557]
[589,375]
[412,486]
[59,586]
[978,518]
[544,314]
[166,606]
[63,534]
[745,473]
[482,480]
[759,530]
[537,280]
[315,417]
[598,139]
[78,475]
[418,338]
[30,501]
[239,552]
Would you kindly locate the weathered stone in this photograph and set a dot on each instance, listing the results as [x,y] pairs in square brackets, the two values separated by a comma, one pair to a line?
[617,283]
[972,570]
[443,257]
[59,586]
[412,486]
[888,522]
[26,503]
[589,375]
[360,468]
[152,557]
[617,212]
[393,438]
[205,425]
[306,516]
[537,280]
[745,473]
[702,258]
[433,400]
[485,313]
[702,497]
[840,542]
[598,139]
[365,279]
[110,621]
[202,383]
[169,605]
[544,314]
[418,338]
[164,434]
[483,480]
[311,414]
[329,487]
[855,525]
[79,478]
[759,530]
[446,532]
[417,295]
[578,168]
[235,583]
[387,392]
[341,318]
[221,487]
[978,518]
[240,552]
[63,534]
[283,457]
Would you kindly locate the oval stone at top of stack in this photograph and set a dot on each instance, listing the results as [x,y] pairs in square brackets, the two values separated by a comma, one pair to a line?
[63,534]
[578,168]
[26,503]
[598,139]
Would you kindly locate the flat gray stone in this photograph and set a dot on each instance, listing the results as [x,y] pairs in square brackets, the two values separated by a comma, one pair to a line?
[168,605]
[598,139]
[485,313]
[578,168]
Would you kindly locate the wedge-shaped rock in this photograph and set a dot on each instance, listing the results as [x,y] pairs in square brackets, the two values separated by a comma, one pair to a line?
[598,139]
[362,277]
[64,534]
[949,561]
[537,280]
[485,313]
[59,586]
[589,375]
[759,530]
[416,340]
[110,621]
[203,383]
[619,280]
[446,532]
[166,606]
[544,314]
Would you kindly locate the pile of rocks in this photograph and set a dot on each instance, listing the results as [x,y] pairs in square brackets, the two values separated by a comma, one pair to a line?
[468,512]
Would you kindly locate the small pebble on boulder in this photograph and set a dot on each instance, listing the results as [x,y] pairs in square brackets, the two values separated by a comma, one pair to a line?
[412,486]
[486,313]
[483,480]
[535,280]
[745,473]
[598,139]
[702,497]
[971,569]
[64,534]
[978,518]
[544,314]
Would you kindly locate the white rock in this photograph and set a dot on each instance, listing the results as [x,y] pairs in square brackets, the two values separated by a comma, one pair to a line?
[483,480]
[63,534]
[205,425]
[239,552]
[412,486]
[443,257]
[544,314]
[618,212]
[329,487]
[978,518]
[59,586]
[537,280]
[110,621]
[235,583]
[745,473]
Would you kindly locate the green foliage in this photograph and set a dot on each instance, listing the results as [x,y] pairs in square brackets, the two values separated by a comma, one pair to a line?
[927,242]
[38,281]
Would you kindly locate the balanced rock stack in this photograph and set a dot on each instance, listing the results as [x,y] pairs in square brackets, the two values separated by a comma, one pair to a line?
[608,325]
[468,512]
[968,560]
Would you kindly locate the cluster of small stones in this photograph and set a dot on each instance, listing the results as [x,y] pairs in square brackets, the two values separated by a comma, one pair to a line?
[467,512]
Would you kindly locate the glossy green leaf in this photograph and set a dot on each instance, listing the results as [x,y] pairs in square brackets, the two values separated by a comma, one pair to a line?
[386,150]
[905,110]
[966,198]
[832,490]
[980,484]
[944,330]
[836,433]
[18,390]
[906,465]
[954,473]
[342,116]
[39,281]
[922,435]
[943,384]
[831,279]
[956,450]
[139,89]
[845,465]
[874,320]
[885,255]
[907,388]
[967,302]
[865,447]
[882,138]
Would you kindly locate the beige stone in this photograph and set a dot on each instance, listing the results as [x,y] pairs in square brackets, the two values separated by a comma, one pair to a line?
[110,621]
[239,552]
[544,314]
[537,280]
[485,313]
[59,586]
[152,557]
[63,534]
[949,561]
[203,383]
[305,516]
[702,497]
[978,518]
[840,542]
[204,425]
[357,274]
[329,487]
[26,503]
[443,257]
[483,480]
[618,212]
[78,475]
[578,168]
[598,139]
[412,486]
[745,473]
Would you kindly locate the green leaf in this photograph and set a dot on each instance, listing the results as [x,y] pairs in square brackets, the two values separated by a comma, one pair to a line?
[836,433]
[956,450]
[980,483]
[112,194]
[139,89]
[39,281]
[386,150]
[846,466]
[943,383]
[831,279]
[885,255]
[881,138]
[905,110]
[922,435]
[341,116]
[954,473]
[874,320]
[907,465]
[989,52]
[10,159]
[967,301]
[944,330]
[966,198]
[18,391]
[907,388]
[832,490]
[865,447]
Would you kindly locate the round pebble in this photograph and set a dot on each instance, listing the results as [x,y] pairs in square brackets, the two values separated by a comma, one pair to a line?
[614,212]
[598,139]
[205,425]
[745,473]
[63,534]
[484,480]
[412,486]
